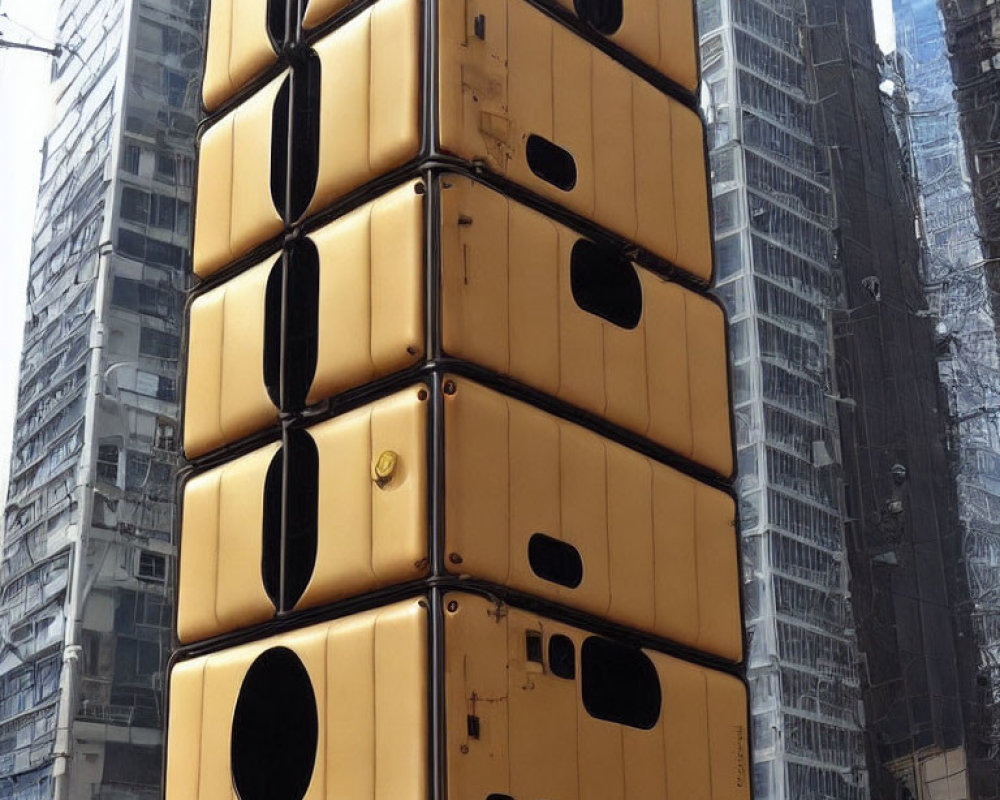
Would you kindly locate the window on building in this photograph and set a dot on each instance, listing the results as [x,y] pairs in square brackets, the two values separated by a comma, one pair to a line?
[163,212]
[131,244]
[21,633]
[135,205]
[175,86]
[107,463]
[158,344]
[136,470]
[131,158]
[167,389]
[165,438]
[185,171]
[166,166]
[183,218]
[164,253]
[135,661]
[152,567]
[149,36]
[144,297]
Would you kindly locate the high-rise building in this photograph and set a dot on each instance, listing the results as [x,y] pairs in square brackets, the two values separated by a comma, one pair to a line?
[899,493]
[85,605]
[945,115]
[849,507]
[777,262]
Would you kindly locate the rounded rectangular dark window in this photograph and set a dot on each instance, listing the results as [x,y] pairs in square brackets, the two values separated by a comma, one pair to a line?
[556,561]
[604,16]
[550,162]
[605,284]
[619,683]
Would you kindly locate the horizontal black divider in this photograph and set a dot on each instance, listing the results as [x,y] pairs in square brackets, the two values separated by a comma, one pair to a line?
[431,168]
[501,595]
[362,395]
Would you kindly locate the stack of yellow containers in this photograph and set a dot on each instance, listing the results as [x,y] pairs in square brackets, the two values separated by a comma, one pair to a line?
[458,521]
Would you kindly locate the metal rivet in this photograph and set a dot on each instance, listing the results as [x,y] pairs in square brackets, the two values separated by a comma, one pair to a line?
[453,606]
[449,387]
[454,558]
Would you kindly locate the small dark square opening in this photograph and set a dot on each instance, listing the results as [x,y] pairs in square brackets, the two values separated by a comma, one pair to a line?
[533,646]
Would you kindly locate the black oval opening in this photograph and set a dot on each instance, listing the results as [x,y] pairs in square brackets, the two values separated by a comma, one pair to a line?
[301,324]
[550,162]
[619,683]
[305,153]
[270,558]
[301,513]
[272,331]
[279,148]
[275,729]
[556,561]
[605,284]
[604,16]
[562,657]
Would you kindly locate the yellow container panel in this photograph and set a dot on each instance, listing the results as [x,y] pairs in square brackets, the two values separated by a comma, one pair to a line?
[539,709]
[527,297]
[219,584]
[659,32]
[235,211]
[371,519]
[546,507]
[371,288]
[373,490]
[335,711]
[369,98]
[238,48]
[541,106]
[319,11]
[225,397]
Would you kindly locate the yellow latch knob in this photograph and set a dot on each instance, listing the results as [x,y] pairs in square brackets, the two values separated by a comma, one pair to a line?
[385,467]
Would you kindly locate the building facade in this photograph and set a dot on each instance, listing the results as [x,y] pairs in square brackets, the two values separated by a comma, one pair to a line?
[899,491]
[857,604]
[85,607]
[777,267]
[945,115]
